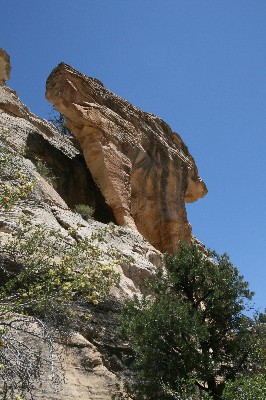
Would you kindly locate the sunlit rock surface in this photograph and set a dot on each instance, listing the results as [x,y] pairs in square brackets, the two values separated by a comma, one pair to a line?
[4,67]
[143,169]
[93,359]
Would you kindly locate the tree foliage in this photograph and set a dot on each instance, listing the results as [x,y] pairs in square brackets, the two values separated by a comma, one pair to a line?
[59,121]
[191,335]
[246,388]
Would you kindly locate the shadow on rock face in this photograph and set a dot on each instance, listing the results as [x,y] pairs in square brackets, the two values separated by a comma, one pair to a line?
[73,182]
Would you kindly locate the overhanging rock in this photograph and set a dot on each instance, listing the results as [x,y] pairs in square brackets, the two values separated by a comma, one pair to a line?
[143,169]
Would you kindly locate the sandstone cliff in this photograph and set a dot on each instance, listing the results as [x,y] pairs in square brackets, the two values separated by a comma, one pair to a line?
[143,169]
[92,360]
[137,172]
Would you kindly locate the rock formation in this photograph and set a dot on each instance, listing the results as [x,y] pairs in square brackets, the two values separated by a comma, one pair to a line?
[92,361]
[4,67]
[143,169]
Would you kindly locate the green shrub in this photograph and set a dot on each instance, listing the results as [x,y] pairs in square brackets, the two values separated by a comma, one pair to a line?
[84,210]
[45,171]
[51,275]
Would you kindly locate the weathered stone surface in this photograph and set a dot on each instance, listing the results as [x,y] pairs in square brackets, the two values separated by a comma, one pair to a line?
[30,136]
[143,168]
[77,363]
[4,67]
[50,205]
[40,139]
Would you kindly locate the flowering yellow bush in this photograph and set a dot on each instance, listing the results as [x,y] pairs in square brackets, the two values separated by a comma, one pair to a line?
[55,271]
[50,275]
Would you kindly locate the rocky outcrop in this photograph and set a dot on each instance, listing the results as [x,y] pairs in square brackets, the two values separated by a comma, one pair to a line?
[143,169]
[4,67]
[31,137]
[40,139]
[91,361]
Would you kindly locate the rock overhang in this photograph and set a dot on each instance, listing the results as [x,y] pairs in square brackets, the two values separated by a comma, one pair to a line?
[143,169]
[5,67]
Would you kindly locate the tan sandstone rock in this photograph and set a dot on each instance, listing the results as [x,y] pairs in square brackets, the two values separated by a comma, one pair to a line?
[143,169]
[24,133]
[4,67]
[91,361]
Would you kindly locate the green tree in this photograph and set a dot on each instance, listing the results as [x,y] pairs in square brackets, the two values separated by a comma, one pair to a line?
[251,385]
[46,172]
[246,388]
[190,336]
[59,121]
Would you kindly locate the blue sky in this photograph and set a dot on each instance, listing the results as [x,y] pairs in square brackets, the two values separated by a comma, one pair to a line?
[198,64]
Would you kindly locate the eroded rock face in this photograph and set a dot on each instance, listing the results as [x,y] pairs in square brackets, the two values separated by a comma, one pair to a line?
[4,67]
[143,169]
[92,362]
[30,136]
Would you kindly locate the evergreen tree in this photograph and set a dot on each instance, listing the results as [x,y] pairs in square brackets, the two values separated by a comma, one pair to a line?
[191,335]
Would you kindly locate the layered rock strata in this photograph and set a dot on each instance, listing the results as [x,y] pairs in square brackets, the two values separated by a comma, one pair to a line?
[143,169]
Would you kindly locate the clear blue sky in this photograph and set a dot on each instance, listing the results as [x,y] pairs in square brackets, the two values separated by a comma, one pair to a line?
[198,64]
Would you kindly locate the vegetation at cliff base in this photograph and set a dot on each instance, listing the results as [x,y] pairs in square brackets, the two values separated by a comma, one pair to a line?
[45,171]
[85,211]
[191,337]
[41,276]
[43,273]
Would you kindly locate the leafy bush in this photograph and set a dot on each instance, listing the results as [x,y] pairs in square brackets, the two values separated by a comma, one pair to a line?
[52,274]
[54,269]
[84,210]
[45,171]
